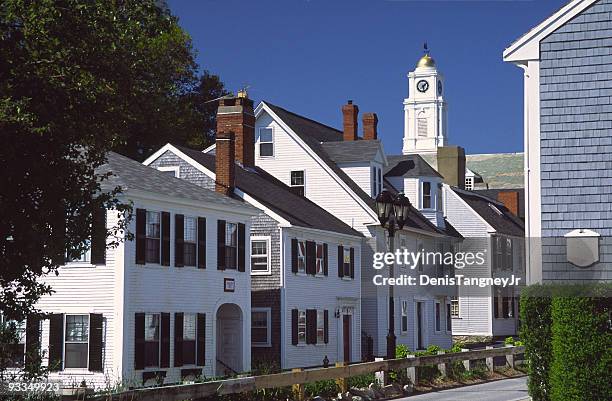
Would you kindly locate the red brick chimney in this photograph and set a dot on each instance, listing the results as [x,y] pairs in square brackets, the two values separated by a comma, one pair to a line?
[225,166]
[349,114]
[370,124]
[510,199]
[235,114]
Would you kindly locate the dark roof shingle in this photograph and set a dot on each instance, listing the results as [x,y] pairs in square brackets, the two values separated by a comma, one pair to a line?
[409,166]
[351,151]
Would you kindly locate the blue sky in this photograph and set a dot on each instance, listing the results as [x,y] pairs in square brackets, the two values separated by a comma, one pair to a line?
[311,56]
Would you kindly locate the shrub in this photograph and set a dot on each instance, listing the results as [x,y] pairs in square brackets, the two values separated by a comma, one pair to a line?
[402,351]
[362,381]
[581,349]
[535,332]
[430,372]
[509,341]
[324,388]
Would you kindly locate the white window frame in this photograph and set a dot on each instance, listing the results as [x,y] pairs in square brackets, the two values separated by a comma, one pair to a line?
[346,274]
[303,186]
[438,317]
[86,368]
[195,220]
[469,183]
[300,313]
[176,169]
[431,197]
[268,241]
[259,143]
[321,315]
[21,332]
[302,256]
[404,305]
[195,315]
[317,272]
[158,340]
[232,247]
[268,312]
[448,312]
[158,238]
[456,301]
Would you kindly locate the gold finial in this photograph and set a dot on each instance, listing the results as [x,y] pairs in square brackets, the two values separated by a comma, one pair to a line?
[426,61]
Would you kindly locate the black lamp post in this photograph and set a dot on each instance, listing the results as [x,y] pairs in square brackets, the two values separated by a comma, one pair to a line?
[391,211]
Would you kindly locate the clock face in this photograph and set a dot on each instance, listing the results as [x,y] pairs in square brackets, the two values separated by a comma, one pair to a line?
[422,86]
[439,88]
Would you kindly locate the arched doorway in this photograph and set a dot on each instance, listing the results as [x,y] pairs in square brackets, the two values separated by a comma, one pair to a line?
[229,340]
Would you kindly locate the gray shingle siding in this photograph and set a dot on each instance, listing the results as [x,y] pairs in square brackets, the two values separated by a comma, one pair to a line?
[576,140]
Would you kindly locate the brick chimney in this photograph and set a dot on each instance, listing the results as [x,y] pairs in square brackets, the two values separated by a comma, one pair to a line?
[225,166]
[451,165]
[349,114]
[510,199]
[235,114]
[370,124]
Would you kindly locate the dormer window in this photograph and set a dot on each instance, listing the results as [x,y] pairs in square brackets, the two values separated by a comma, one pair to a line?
[266,142]
[426,195]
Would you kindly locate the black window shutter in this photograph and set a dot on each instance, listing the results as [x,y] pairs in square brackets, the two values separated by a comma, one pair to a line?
[241,247]
[141,243]
[311,257]
[220,244]
[165,239]
[164,359]
[340,261]
[494,252]
[179,244]
[352,262]
[201,343]
[56,341]
[325,261]
[178,339]
[32,347]
[98,236]
[95,342]
[201,243]
[139,341]
[294,255]
[311,326]
[326,325]
[294,326]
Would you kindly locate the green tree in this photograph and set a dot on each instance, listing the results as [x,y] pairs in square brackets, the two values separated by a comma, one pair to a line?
[79,78]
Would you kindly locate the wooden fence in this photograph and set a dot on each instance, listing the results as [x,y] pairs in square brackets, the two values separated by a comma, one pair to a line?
[299,377]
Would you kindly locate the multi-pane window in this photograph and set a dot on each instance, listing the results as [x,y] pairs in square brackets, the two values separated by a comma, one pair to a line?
[347,262]
[469,183]
[320,259]
[153,230]
[14,351]
[437,317]
[189,338]
[297,182]
[260,327]
[449,319]
[404,322]
[189,241]
[152,339]
[266,142]
[499,252]
[454,307]
[426,198]
[260,255]
[301,256]
[231,245]
[302,327]
[76,344]
[509,261]
[320,327]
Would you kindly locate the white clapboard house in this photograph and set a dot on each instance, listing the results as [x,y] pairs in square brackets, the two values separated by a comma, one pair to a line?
[172,303]
[343,174]
[487,225]
[305,262]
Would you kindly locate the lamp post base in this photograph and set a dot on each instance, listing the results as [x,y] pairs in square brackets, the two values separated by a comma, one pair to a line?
[391,340]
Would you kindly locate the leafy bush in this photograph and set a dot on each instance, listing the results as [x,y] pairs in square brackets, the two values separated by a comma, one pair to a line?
[402,351]
[509,341]
[581,349]
[535,332]
[362,381]
[428,373]
[324,388]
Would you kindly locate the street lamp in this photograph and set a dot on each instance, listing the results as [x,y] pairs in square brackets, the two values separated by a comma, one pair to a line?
[391,211]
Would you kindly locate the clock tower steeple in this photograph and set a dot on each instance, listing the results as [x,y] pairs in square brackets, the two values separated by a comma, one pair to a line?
[425,108]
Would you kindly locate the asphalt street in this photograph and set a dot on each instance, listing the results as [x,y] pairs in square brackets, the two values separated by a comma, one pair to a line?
[500,390]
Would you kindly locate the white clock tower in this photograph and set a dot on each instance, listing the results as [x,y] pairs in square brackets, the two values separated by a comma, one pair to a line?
[425,109]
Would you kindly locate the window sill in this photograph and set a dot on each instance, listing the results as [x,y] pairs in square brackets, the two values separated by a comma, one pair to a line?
[320,275]
[261,345]
[76,265]
[301,274]
[347,278]
[76,371]
[261,273]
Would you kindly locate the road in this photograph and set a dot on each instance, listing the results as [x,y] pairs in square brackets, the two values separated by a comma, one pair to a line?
[500,390]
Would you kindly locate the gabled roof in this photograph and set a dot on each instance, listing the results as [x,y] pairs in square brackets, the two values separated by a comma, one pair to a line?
[527,47]
[409,166]
[493,212]
[352,151]
[313,134]
[132,175]
[277,196]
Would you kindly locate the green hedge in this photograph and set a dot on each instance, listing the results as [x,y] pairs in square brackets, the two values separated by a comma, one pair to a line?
[581,349]
[536,327]
[568,341]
